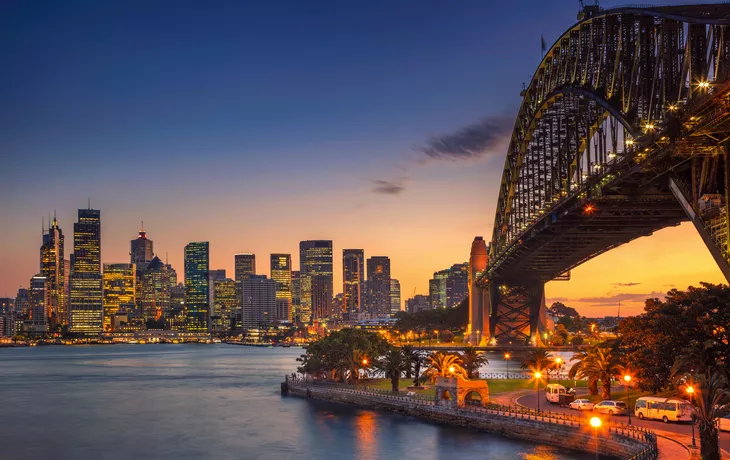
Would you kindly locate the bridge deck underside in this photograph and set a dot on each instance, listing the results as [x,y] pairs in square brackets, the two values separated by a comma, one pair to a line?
[563,241]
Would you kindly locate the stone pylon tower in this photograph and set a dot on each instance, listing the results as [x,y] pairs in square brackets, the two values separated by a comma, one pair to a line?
[478,329]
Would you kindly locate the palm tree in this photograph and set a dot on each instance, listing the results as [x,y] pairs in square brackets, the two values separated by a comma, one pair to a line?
[358,361]
[445,365]
[538,360]
[392,364]
[581,359]
[602,364]
[414,359]
[712,401]
[472,360]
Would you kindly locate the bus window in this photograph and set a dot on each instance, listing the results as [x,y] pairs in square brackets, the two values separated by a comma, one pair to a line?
[672,407]
[641,404]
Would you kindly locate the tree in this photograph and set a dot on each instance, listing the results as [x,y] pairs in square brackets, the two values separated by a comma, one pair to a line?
[538,360]
[339,353]
[446,336]
[445,365]
[414,359]
[392,364]
[576,341]
[472,360]
[580,360]
[712,401]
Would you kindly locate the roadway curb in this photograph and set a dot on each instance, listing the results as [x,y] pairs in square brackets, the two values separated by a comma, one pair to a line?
[689,451]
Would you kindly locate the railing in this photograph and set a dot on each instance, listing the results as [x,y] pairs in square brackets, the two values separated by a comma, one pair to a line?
[613,429]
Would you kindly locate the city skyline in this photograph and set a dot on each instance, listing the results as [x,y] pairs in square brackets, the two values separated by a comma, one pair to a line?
[341,150]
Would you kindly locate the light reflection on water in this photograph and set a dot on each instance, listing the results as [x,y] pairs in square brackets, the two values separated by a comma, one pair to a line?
[204,402]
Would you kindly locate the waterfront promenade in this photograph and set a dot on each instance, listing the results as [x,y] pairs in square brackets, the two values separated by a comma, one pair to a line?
[550,428]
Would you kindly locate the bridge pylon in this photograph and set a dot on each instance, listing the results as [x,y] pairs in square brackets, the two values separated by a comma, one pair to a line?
[477,333]
[517,313]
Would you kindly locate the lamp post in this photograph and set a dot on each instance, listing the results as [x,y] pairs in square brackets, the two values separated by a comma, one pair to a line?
[558,365]
[506,358]
[538,375]
[691,392]
[364,371]
[627,380]
[596,424]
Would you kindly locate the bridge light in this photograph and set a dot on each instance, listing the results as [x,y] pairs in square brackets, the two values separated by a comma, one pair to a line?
[629,142]
[649,126]
[704,84]
[611,156]
[589,209]
[672,108]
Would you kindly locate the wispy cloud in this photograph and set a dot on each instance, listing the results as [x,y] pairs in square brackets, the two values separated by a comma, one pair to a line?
[609,300]
[474,141]
[389,187]
[626,284]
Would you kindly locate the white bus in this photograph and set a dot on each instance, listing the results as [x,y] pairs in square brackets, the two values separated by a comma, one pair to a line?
[664,409]
[557,394]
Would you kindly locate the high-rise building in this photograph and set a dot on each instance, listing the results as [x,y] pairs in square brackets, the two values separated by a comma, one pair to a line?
[258,301]
[296,296]
[141,253]
[22,302]
[87,308]
[225,310]
[394,296]
[154,285]
[418,303]
[7,305]
[213,276]
[353,280]
[449,287]
[120,284]
[245,265]
[315,258]
[39,300]
[53,268]
[281,274]
[322,297]
[379,286]
[197,257]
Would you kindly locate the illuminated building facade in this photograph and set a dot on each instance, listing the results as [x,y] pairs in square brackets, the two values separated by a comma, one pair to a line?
[197,257]
[449,287]
[87,307]
[322,297]
[281,274]
[120,284]
[245,265]
[379,286]
[315,259]
[154,285]
[394,296]
[22,302]
[141,252]
[258,301]
[353,280]
[296,296]
[226,311]
[418,303]
[213,276]
[53,268]
[39,300]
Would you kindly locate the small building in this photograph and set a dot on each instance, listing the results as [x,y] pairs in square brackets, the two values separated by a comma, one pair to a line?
[452,391]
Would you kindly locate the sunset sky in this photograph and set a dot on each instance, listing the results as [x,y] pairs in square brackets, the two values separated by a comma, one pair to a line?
[254,125]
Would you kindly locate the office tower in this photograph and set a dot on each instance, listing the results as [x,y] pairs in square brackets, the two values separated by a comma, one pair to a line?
[379,286]
[141,250]
[418,303]
[281,274]
[22,302]
[258,301]
[120,283]
[213,275]
[87,309]
[39,299]
[394,296]
[7,305]
[449,287]
[296,296]
[53,268]
[353,280]
[225,309]
[315,259]
[197,257]
[245,265]
[154,285]
[322,297]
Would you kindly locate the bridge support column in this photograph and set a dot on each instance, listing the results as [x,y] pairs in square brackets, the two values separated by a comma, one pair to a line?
[477,332]
[517,313]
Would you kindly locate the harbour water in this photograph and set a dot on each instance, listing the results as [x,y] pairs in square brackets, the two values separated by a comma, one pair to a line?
[204,402]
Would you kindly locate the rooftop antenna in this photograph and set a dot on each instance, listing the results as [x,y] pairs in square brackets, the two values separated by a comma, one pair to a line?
[89,202]
[618,315]
[142,226]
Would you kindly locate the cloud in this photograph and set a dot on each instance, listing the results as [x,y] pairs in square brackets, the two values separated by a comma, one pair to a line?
[473,141]
[389,187]
[613,300]
[626,284]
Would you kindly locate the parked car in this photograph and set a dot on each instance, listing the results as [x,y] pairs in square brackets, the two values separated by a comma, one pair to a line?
[581,404]
[611,408]
[724,423]
[665,409]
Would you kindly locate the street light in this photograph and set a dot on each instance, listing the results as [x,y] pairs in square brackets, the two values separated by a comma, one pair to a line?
[691,392]
[559,364]
[596,424]
[506,358]
[627,379]
[451,371]
[538,375]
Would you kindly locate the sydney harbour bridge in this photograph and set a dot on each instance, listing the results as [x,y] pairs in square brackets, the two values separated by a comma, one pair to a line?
[623,130]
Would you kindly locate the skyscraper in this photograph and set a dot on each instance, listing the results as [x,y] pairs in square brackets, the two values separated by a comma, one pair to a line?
[120,282]
[225,310]
[245,265]
[39,299]
[53,268]
[141,250]
[353,280]
[258,301]
[281,274]
[197,256]
[322,297]
[154,286]
[394,296]
[296,296]
[213,276]
[379,286]
[87,310]
[449,287]
[315,258]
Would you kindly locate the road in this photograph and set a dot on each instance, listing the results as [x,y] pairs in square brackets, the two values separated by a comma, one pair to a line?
[530,400]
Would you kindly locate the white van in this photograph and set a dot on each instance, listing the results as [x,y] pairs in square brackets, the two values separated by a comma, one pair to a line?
[664,409]
[557,394]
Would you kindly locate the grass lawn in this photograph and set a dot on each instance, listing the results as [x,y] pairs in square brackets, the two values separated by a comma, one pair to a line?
[403,383]
[504,385]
